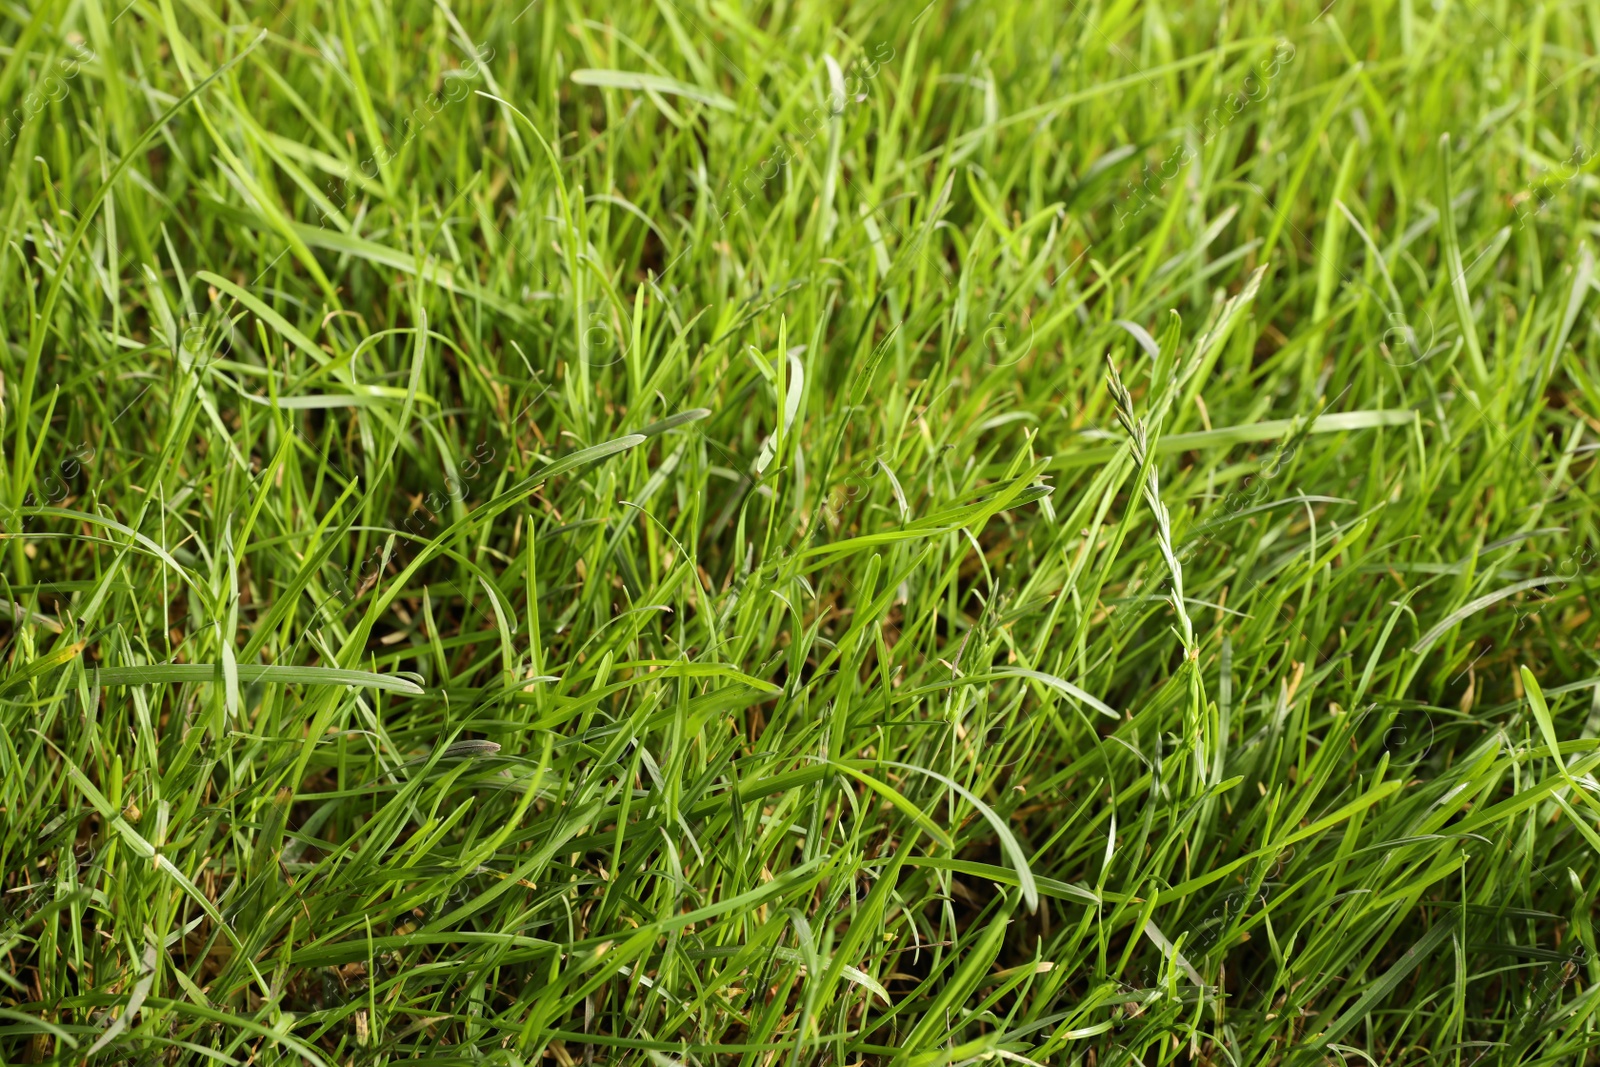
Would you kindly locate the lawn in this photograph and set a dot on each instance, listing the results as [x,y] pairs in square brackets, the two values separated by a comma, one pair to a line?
[789,532]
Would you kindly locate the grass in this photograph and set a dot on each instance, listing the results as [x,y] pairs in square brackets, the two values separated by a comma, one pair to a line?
[799,533]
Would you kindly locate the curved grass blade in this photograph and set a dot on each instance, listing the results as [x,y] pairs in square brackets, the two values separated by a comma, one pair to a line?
[653,83]
[1008,840]
[269,674]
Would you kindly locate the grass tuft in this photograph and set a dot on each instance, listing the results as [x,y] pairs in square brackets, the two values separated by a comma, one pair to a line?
[799,533]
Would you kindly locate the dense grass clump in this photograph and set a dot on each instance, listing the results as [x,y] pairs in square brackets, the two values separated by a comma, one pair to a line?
[791,533]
